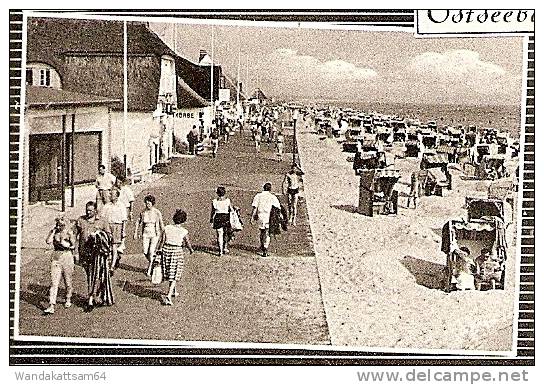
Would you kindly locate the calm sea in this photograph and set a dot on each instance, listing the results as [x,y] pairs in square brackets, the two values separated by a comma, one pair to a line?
[507,118]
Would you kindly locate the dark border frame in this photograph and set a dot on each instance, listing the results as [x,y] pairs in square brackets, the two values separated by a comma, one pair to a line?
[51,353]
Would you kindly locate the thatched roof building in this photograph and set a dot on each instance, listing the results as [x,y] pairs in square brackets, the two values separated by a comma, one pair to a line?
[259,95]
[88,54]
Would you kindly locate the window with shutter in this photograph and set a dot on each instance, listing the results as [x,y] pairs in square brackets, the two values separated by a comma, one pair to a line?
[29,79]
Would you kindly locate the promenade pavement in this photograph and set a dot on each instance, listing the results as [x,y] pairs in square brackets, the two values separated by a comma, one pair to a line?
[239,297]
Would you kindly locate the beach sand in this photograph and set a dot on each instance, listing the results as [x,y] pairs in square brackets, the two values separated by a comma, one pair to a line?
[381,277]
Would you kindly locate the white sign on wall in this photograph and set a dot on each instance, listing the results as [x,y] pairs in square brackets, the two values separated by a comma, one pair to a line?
[224,94]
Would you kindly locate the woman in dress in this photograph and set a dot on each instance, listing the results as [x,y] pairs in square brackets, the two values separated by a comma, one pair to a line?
[172,241]
[220,219]
[152,225]
[94,236]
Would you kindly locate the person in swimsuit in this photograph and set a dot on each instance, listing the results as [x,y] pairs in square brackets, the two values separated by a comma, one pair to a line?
[257,138]
[152,226]
[414,190]
[279,146]
[291,187]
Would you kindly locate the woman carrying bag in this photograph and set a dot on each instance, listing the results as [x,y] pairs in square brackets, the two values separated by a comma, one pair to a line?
[173,240]
[220,219]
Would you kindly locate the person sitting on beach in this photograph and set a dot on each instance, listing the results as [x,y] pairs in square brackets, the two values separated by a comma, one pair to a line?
[463,269]
[488,269]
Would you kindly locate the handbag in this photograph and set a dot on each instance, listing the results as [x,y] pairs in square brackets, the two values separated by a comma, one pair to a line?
[156,271]
[235,222]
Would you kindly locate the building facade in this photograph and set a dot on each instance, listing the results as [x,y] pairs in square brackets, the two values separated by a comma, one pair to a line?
[88,56]
[66,137]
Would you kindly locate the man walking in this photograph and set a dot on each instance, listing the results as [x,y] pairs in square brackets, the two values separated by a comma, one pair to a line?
[104,183]
[115,213]
[214,141]
[262,206]
[191,140]
[291,187]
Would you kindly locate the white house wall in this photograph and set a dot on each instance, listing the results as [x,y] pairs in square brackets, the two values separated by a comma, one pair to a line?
[208,117]
[25,182]
[142,129]
[168,77]
[184,120]
[55,81]
[38,121]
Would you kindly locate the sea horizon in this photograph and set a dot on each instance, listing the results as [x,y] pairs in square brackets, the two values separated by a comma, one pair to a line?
[505,117]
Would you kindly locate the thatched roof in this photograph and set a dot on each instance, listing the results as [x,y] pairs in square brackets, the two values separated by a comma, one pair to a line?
[88,56]
[231,84]
[198,77]
[258,94]
[48,36]
[187,97]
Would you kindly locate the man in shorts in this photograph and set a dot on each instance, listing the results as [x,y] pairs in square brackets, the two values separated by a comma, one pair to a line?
[291,187]
[104,184]
[262,206]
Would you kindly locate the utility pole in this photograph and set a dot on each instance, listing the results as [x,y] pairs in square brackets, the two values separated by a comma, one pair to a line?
[295,117]
[238,81]
[125,94]
[211,78]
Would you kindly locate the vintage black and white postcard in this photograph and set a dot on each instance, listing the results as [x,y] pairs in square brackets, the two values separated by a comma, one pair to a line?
[272,187]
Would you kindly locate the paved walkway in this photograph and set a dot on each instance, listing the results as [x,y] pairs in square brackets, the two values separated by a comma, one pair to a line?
[240,297]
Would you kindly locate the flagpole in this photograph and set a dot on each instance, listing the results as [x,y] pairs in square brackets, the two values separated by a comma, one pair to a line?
[125,93]
[247,73]
[238,78]
[174,96]
[211,82]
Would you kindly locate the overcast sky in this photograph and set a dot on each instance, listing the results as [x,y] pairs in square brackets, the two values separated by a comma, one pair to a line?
[361,66]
